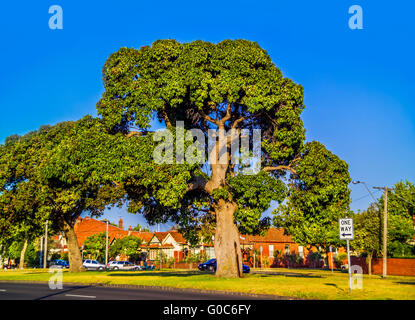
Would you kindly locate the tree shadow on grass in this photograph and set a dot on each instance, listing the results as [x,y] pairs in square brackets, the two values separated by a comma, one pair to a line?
[289,274]
[334,285]
[406,282]
[160,274]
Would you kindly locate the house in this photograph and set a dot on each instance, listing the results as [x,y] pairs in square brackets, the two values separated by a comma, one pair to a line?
[173,245]
[268,244]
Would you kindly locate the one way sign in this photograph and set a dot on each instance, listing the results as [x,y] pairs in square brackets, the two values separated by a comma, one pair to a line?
[346,231]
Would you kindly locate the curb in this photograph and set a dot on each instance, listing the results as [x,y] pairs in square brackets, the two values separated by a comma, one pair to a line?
[171,289]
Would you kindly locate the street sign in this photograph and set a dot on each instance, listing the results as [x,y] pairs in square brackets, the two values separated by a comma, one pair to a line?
[346,231]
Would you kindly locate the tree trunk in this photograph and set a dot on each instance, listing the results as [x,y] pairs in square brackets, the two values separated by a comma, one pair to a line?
[227,248]
[74,254]
[22,254]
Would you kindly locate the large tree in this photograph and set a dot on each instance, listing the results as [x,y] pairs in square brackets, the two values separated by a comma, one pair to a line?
[22,215]
[224,86]
[62,167]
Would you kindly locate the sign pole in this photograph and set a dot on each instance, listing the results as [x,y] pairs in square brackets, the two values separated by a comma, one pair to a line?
[350,269]
[346,232]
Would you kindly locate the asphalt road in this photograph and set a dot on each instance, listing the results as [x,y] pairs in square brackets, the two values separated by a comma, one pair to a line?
[41,291]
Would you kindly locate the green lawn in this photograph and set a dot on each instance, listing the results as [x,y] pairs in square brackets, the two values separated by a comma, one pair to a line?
[311,284]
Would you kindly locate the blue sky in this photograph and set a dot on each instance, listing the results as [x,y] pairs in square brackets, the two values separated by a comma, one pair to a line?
[359,84]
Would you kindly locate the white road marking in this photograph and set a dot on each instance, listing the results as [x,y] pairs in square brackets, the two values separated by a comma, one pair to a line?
[79,296]
[3,290]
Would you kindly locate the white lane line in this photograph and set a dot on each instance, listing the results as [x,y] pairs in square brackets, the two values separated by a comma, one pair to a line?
[79,296]
[3,290]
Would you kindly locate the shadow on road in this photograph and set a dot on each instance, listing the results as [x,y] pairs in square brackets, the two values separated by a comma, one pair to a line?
[62,291]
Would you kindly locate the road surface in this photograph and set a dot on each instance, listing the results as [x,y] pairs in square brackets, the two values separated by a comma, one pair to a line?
[41,291]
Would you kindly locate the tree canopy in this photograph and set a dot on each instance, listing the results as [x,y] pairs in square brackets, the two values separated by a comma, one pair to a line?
[232,85]
[232,89]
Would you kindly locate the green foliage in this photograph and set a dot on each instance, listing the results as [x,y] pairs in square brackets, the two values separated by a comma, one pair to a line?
[170,262]
[369,224]
[141,229]
[318,197]
[161,257]
[342,256]
[397,249]
[13,251]
[32,256]
[196,257]
[367,227]
[253,194]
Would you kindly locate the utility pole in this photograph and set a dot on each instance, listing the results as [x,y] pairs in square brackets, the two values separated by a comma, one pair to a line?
[45,254]
[385,228]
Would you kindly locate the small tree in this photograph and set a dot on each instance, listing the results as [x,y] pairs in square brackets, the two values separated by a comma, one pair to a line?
[141,229]
[367,228]
[95,246]
[129,246]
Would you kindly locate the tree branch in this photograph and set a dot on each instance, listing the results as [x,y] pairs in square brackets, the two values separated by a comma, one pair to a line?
[208,118]
[134,133]
[228,114]
[282,168]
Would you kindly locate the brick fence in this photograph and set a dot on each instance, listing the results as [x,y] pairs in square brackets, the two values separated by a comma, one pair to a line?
[395,266]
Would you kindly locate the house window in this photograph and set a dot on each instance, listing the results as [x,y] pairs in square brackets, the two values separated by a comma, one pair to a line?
[287,249]
[301,251]
[271,250]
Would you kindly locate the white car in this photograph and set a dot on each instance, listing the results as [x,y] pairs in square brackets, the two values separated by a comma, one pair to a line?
[122,265]
[93,265]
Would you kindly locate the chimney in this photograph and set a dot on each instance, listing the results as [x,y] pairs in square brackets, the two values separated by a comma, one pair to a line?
[120,224]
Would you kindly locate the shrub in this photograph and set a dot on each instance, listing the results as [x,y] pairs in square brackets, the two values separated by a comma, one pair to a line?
[170,262]
[342,257]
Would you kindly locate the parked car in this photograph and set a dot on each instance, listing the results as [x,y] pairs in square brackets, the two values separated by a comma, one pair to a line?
[122,265]
[11,266]
[93,265]
[210,265]
[59,264]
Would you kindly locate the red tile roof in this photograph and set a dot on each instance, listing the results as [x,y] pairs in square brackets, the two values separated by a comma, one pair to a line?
[161,235]
[87,226]
[273,235]
[177,237]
